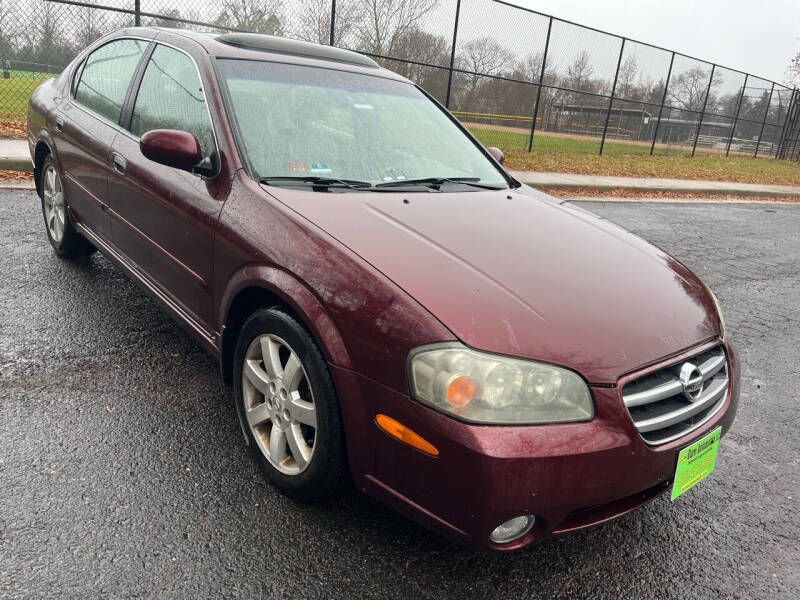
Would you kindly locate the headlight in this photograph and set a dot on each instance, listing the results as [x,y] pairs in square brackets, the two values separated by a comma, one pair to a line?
[486,388]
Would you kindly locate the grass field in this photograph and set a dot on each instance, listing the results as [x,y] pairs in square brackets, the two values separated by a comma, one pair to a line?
[14,94]
[574,155]
[547,142]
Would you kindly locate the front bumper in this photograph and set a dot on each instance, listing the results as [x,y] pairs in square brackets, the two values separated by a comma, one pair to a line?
[571,476]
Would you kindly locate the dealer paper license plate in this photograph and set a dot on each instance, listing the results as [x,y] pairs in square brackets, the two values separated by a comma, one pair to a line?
[696,462]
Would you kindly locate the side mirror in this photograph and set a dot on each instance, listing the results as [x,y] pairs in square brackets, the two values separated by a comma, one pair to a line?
[497,154]
[171,147]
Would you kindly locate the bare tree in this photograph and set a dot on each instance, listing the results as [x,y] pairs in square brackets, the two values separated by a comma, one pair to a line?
[688,90]
[91,24]
[579,74]
[652,90]
[479,57]
[485,56]
[174,13]
[726,104]
[168,12]
[626,79]
[421,46]
[383,22]
[44,41]
[8,33]
[754,107]
[259,16]
[314,23]
[530,68]
[792,77]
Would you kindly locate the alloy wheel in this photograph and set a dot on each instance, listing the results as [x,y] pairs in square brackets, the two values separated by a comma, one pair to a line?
[54,207]
[279,405]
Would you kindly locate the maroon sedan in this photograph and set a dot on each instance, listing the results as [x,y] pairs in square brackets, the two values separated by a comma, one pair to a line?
[388,303]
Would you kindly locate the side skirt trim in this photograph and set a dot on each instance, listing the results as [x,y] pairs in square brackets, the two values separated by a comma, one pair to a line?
[207,338]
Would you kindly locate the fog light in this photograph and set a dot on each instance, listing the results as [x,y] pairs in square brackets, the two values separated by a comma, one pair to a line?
[512,529]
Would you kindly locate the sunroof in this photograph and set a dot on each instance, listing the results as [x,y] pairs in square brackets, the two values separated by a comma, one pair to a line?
[271,43]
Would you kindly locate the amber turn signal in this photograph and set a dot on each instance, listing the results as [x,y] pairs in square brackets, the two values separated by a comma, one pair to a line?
[405,435]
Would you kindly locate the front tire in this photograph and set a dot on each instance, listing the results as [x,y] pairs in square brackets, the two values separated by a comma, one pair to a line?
[287,406]
[61,233]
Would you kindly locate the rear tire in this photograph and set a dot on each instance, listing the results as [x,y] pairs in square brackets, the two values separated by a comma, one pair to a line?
[287,406]
[61,233]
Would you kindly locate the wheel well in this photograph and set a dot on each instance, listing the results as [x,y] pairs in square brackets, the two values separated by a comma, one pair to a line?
[39,153]
[246,302]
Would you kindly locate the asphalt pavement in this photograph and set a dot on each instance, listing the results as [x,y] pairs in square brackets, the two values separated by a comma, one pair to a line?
[123,472]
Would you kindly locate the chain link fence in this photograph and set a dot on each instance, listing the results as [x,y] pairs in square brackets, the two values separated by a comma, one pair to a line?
[516,78]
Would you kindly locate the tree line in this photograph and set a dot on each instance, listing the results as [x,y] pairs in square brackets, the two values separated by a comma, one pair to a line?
[489,72]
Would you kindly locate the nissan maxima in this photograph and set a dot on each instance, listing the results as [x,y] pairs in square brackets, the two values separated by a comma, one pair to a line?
[389,305]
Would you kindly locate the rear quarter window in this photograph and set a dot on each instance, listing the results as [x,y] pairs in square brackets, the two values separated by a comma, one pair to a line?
[106,75]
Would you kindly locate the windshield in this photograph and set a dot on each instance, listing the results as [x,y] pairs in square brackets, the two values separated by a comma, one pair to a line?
[300,122]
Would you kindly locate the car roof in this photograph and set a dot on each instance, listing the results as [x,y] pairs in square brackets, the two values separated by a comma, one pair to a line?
[256,46]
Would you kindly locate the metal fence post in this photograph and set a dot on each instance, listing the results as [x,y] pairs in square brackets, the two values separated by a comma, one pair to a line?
[783,127]
[663,101]
[137,12]
[333,21]
[764,121]
[541,81]
[452,56]
[736,118]
[703,112]
[611,99]
[793,113]
[795,106]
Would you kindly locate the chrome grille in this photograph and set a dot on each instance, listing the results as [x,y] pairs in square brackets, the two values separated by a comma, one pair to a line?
[661,409]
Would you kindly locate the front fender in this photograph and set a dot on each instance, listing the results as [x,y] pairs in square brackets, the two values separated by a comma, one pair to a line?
[294,294]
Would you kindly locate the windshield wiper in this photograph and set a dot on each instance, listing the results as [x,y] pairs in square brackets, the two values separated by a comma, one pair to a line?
[321,181]
[438,181]
[354,184]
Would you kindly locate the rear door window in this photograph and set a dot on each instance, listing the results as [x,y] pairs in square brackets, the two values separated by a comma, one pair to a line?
[106,75]
[171,97]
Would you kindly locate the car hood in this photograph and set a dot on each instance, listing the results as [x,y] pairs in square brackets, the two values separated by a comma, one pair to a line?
[514,272]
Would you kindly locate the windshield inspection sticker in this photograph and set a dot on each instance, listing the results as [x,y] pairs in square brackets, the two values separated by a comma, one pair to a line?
[391,174]
[296,166]
[696,462]
[363,106]
[320,169]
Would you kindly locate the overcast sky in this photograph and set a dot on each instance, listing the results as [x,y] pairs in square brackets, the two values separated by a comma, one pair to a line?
[756,36]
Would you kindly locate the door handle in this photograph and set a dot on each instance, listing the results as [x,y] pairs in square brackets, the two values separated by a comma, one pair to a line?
[119,163]
[59,123]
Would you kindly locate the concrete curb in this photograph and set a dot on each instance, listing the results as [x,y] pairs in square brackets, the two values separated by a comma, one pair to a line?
[16,163]
[563,181]
[677,190]
[667,200]
[17,185]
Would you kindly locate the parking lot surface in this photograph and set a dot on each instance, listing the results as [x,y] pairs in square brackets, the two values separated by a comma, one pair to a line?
[123,472]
